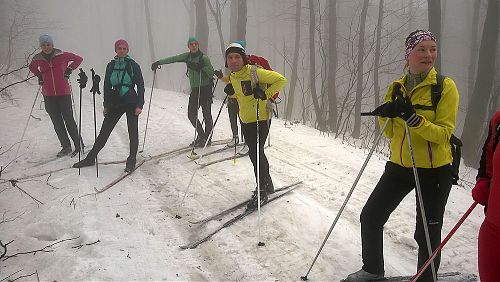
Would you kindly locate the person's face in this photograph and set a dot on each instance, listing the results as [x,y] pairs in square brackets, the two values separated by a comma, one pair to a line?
[47,48]
[194,47]
[422,57]
[121,51]
[234,61]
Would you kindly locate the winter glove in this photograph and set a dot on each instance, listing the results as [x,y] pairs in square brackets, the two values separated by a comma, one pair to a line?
[386,110]
[40,80]
[194,66]
[218,73]
[406,111]
[229,90]
[155,65]
[95,84]
[82,79]
[67,73]
[258,93]
[481,191]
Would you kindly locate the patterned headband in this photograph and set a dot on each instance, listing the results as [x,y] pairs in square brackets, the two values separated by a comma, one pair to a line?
[417,37]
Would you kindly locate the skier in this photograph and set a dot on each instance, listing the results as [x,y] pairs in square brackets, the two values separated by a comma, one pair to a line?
[487,193]
[200,73]
[430,132]
[248,95]
[53,68]
[122,76]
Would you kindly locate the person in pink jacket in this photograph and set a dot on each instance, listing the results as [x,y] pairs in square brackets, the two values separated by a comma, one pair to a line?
[487,193]
[53,68]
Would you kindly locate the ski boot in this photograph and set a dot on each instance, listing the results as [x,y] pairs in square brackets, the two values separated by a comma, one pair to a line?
[130,165]
[235,141]
[243,150]
[362,276]
[88,161]
[253,204]
[64,151]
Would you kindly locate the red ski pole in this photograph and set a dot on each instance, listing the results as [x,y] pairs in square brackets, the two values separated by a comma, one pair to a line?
[455,228]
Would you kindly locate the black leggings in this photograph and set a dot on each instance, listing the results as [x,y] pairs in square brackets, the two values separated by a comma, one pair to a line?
[232,110]
[110,120]
[61,113]
[250,133]
[393,186]
[205,102]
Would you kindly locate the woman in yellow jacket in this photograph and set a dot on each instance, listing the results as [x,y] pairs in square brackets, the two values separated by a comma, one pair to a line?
[242,87]
[430,131]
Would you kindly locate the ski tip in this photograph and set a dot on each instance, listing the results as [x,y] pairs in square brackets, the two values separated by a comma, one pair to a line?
[303,278]
[187,247]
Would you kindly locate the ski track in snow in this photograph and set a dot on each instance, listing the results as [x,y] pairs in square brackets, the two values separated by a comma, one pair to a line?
[136,220]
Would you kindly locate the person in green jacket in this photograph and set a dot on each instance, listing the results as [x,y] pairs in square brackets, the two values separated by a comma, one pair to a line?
[430,130]
[200,73]
[253,87]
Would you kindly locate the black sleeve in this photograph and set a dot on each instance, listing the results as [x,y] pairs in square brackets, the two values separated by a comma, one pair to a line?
[107,83]
[139,81]
[481,171]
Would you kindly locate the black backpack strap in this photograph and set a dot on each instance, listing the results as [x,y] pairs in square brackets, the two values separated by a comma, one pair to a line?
[436,90]
[396,91]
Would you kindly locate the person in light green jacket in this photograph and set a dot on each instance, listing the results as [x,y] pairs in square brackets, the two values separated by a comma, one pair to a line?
[200,73]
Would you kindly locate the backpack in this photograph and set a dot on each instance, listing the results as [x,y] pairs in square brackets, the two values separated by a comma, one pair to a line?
[263,63]
[455,142]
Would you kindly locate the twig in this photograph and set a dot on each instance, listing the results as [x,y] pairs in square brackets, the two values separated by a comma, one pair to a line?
[73,203]
[11,146]
[37,118]
[4,220]
[12,161]
[88,244]
[47,182]
[12,274]
[12,84]
[39,250]
[14,183]
[4,246]
[24,276]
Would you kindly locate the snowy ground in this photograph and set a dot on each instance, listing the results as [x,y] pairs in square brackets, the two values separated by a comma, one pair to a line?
[134,228]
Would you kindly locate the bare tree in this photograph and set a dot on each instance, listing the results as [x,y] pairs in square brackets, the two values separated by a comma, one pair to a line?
[332,64]
[475,117]
[150,31]
[293,78]
[474,50]
[242,20]
[376,63]
[434,11]
[359,81]
[191,12]
[217,14]
[202,29]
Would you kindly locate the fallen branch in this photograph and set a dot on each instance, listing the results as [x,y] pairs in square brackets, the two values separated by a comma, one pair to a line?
[24,276]
[12,84]
[14,184]
[11,275]
[44,249]
[4,246]
[88,244]
[4,220]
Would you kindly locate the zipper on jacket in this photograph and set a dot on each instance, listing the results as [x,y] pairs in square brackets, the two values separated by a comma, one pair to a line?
[429,150]
[53,81]
[401,150]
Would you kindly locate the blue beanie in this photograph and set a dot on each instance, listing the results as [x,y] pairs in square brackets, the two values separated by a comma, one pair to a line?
[45,38]
[243,43]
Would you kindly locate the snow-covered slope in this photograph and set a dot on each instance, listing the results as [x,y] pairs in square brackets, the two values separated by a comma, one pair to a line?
[138,225]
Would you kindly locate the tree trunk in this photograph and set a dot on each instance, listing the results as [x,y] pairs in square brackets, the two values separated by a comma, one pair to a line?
[294,76]
[242,20]
[312,68]
[150,31]
[434,12]
[332,64]
[217,14]
[202,29]
[359,80]
[376,64]
[233,21]
[473,50]
[475,119]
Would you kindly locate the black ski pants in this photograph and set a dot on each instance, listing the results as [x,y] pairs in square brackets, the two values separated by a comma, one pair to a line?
[205,102]
[250,133]
[396,182]
[108,124]
[61,113]
[232,111]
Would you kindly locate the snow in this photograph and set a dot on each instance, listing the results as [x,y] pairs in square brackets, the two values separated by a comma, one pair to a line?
[134,226]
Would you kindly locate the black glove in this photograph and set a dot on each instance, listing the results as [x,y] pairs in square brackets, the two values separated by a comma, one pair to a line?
[218,74]
[229,90]
[40,79]
[82,78]
[95,84]
[258,93]
[194,66]
[406,111]
[155,65]
[67,73]
[386,110]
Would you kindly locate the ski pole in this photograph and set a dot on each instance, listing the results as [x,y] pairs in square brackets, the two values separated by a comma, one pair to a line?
[27,121]
[83,83]
[203,151]
[448,237]
[420,200]
[347,197]
[260,244]
[95,89]
[196,122]
[149,108]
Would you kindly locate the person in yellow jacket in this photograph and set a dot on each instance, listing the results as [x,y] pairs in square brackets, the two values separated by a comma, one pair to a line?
[252,87]
[430,130]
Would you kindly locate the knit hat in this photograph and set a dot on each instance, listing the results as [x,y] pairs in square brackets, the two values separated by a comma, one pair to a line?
[237,48]
[46,39]
[121,42]
[243,43]
[192,39]
[415,38]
